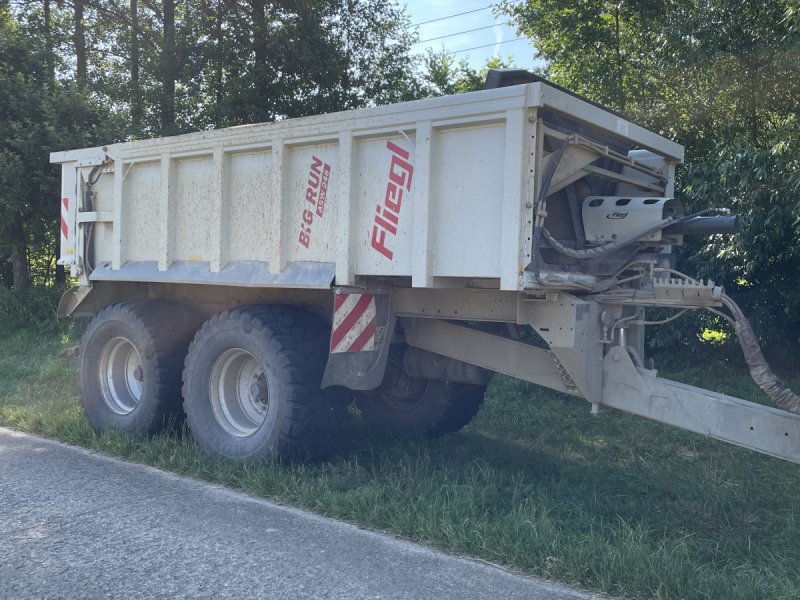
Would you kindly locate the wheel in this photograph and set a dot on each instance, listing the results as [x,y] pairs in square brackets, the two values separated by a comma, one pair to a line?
[252,385]
[129,372]
[411,405]
[465,402]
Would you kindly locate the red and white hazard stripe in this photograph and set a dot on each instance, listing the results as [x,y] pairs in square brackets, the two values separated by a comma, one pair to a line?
[65,219]
[354,323]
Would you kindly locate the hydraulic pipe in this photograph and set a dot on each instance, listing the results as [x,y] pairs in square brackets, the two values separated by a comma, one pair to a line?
[705,226]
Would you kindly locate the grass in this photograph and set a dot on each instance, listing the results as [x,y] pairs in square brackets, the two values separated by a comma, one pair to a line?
[611,503]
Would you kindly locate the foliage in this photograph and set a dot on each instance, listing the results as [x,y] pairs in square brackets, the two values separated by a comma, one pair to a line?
[33,308]
[37,115]
[442,74]
[722,77]
[760,265]
[92,72]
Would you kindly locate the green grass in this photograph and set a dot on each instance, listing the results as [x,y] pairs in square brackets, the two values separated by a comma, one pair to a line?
[611,503]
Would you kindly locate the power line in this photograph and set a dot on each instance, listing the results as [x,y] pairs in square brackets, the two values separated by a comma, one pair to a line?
[460,32]
[487,45]
[455,15]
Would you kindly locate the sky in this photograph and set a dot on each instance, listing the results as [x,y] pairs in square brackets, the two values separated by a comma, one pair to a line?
[494,34]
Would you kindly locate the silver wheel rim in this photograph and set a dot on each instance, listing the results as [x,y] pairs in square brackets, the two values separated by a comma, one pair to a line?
[239,392]
[121,375]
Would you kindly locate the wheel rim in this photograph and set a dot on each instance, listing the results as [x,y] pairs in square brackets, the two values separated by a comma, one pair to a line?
[239,392]
[121,375]
[403,392]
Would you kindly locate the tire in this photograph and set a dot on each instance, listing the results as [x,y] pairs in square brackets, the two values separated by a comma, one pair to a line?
[251,385]
[130,365]
[411,405]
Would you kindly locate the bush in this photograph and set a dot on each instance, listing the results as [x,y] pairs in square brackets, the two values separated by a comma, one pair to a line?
[34,307]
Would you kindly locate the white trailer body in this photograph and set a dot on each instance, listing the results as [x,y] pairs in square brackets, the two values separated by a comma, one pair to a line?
[432,190]
[384,221]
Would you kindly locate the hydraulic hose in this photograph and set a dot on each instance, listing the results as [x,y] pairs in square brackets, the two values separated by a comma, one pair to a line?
[605,248]
[622,241]
[760,371]
[541,207]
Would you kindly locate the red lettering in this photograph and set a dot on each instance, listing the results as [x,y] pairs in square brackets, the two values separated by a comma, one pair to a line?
[383,222]
[392,191]
[397,149]
[308,217]
[305,238]
[387,218]
[316,163]
[379,242]
[391,216]
[400,177]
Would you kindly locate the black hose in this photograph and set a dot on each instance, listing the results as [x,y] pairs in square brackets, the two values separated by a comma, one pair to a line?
[541,201]
[88,206]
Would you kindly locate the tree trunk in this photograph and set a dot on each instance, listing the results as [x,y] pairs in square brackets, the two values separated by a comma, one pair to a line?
[48,38]
[61,274]
[620,70]
[260,51]
[137,107]
[79,41]
[6,269]
[19,257]
[218,78]
[169,69]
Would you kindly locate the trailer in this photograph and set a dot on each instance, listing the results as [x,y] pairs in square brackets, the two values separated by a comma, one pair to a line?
[258,279]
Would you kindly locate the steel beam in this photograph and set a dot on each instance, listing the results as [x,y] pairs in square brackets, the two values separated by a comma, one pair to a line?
[754,426]
[486,350]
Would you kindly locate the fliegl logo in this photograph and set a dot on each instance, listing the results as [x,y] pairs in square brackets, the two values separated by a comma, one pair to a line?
[387,215]
[616,215]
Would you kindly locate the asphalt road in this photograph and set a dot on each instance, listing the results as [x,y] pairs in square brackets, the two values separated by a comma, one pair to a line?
[74,524]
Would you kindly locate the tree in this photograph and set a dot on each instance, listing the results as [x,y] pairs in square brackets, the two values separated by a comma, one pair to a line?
[37,115]
[443,75]
[722,77]
[82,72]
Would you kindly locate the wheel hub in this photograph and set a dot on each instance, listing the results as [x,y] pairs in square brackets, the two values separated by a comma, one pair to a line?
[239,392]
[121,375]
[259,394]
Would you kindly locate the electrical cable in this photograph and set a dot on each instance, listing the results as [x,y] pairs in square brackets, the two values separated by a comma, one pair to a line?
[719,313]
[667,320]
[460,33]
[487,45]
[634,354]
[454,15]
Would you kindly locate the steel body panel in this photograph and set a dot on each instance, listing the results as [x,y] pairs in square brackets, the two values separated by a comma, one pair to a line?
[436,189]
[240,273]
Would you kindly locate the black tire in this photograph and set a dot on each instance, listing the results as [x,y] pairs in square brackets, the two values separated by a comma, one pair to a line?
[465,401]
[411,406]
[130,365]
[251,385]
